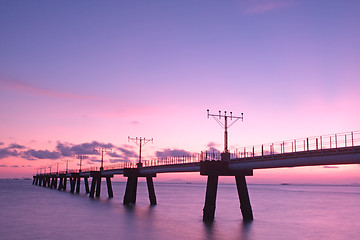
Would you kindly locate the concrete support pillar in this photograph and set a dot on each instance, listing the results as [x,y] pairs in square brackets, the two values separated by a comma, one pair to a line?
[60,183]
[134,190]
[110,191]
[130,192]
[93,185]
[98,186]
[65,183]
[34,177]
[44,181]
[86,182]
[210,199]
[151,190]
[78,184]
[48,178]
[72,184]
[54,182]
[245,205]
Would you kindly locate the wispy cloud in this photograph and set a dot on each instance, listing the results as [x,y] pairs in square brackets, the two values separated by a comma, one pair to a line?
[261,6]
[330,167]
[24,87]
[172,153]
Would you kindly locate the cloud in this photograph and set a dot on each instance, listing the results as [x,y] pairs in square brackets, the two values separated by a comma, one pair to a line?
[134,123]
[3,165]
[212,144]
[119,160]
[330,167]
[127,153]
[172,153]
[1,143]
[261,6]
[16,146]
[41,154]
[28,88]
[68,150]
[8,152]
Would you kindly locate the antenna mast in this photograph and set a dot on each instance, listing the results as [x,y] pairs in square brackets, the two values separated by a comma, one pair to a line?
[102,152]
[224,125]
[67,163]
[140,142]
[81,157]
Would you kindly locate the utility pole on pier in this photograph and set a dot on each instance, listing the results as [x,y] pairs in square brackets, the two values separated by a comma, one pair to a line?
[67,163]
[81,157]
[102,152]
[140,142]
[225,125]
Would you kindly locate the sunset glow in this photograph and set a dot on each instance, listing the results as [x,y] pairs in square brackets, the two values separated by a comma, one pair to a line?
[78,75]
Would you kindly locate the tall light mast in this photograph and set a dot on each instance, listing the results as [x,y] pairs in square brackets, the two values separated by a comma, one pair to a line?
[140,142]
[102,152]
[225,125]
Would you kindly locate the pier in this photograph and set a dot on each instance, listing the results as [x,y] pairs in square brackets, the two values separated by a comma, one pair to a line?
[334,149]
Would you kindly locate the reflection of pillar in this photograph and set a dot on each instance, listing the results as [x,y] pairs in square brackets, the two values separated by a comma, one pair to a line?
[245,205]
[210,199]
[151,190]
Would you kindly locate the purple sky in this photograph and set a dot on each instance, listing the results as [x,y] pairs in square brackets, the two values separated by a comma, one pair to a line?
[75,72]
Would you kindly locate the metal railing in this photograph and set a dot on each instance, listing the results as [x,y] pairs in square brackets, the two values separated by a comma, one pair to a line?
[331,141]
[324,142]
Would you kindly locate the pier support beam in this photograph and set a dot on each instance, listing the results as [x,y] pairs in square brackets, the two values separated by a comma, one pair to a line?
[210,198]
[109,186]
[130,191]
[96,184]
[53,183]
[78,179]
[131,186]
[86,182]
[214,169]
[72,184]
[151,190]
[245,205]
[62,182]
[93,185]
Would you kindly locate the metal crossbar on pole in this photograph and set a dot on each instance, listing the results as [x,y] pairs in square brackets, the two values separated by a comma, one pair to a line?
[225,125]
[81,157]
[102,152]
[140,142]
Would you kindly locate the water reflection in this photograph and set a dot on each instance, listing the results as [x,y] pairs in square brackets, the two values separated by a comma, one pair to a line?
[217,230]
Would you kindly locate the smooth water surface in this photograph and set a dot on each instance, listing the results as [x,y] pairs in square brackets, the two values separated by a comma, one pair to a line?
[280,211]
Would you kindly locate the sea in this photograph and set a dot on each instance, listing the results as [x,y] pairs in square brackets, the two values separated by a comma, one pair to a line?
[280,212]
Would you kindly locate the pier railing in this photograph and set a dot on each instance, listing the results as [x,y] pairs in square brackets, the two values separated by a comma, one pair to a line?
[323,142]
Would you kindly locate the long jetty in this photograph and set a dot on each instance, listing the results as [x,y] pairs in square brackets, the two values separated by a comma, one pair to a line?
[334,149]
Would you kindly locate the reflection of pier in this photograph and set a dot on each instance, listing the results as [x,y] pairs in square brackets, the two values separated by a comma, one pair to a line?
[323,150]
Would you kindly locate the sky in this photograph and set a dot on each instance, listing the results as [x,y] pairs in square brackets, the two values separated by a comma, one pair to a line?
[81,74]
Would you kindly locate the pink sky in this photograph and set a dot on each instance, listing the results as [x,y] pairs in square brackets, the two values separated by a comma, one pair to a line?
[73,74]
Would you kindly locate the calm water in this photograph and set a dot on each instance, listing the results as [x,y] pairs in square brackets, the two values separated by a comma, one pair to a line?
[280,212]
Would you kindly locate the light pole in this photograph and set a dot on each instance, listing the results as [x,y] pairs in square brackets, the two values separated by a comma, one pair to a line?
[225,125]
